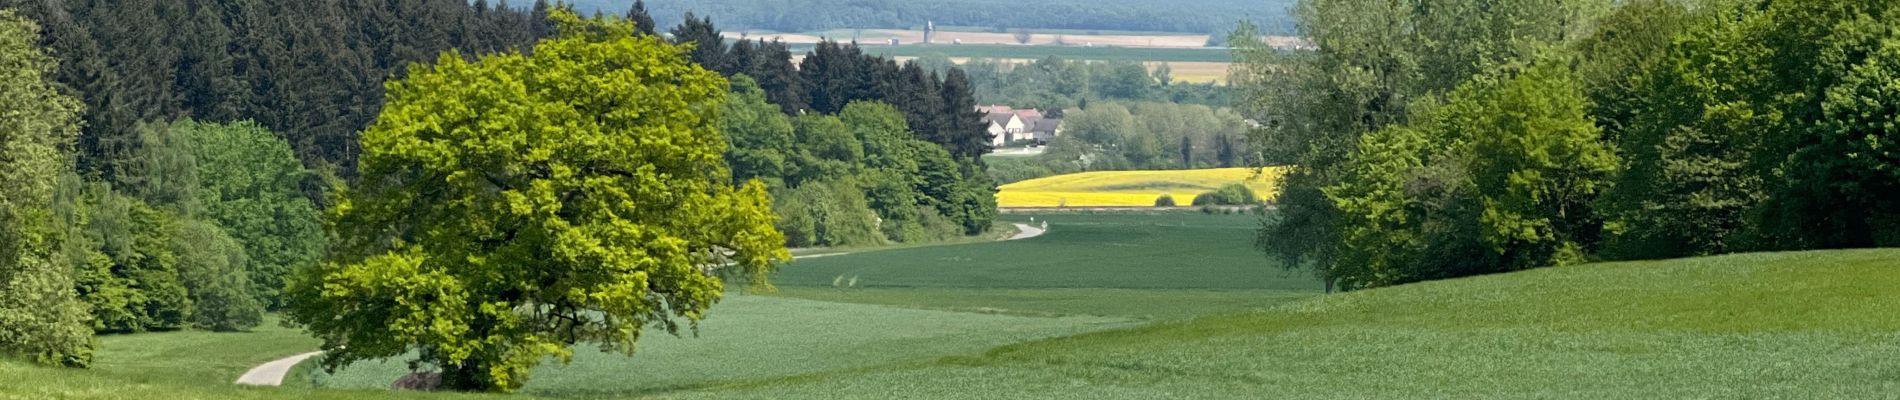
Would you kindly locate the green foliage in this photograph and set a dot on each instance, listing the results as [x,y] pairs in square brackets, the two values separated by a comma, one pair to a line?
[250,184]
[1071,81]
[1164,201]
[1373,61]
[832,213]
[123,260]
[124,264]
[515,205]
[761,136]
[312,71]
[1148,136]
[1229,195]
[41,318]
[215,270]
[1501,177]
[1763,130]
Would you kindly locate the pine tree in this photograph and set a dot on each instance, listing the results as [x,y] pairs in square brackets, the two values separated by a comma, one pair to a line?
[641,19]
[709,49]
[962,131]
[779,78]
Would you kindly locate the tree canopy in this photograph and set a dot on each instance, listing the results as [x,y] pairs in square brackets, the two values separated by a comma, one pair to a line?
[1534,133]
[513,206]
[41,317]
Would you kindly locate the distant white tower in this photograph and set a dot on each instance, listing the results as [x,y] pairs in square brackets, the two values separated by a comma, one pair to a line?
[930,29]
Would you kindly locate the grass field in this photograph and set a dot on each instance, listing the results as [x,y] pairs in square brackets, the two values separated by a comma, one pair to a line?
[751,338]
[1172,305]
[1131,188]
[1793,325]
[1147,266]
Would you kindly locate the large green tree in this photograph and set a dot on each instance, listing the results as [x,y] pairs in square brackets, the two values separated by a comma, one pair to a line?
[41,317]
[514,206]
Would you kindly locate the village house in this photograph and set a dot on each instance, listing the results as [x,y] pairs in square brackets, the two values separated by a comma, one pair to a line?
[1009,126]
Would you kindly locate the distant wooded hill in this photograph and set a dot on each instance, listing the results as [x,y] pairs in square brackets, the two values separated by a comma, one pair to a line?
[1197,16]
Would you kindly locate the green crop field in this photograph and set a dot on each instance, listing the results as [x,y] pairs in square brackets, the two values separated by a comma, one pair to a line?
[750,338]
[1791,325]
[1169,305]
[1101,53]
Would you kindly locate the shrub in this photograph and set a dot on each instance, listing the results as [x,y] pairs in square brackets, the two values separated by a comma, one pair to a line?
[1164,201]
[1230,195]
[215,270]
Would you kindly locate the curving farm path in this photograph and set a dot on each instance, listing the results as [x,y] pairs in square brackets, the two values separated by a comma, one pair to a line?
[272,373]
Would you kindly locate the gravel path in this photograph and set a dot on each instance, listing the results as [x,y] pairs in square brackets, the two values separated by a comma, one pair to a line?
[1025,231]
[272,373]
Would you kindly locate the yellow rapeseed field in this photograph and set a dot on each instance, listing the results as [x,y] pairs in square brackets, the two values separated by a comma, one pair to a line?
[1132,188]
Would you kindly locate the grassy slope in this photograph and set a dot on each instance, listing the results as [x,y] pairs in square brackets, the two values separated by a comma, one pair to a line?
[1178,250]
[1139,265]
[750,338]
[1795,325]
[1130,188]
[1790,325]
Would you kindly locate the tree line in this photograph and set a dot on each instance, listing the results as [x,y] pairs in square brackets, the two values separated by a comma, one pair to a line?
[198,230]
[1126,136]
[1057,83]
[312,71]
[1487,137]
[858,149]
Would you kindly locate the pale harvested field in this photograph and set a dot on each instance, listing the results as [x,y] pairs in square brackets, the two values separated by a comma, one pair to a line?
[1184,71]
[877,37]
[910,37]
[788,38]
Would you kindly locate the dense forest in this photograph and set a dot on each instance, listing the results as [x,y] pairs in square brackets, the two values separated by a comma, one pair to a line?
[197,142]
[1200,16]
[1482,136]
[177,164]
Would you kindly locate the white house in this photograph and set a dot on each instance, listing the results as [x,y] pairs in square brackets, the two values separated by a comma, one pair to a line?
[1007,125]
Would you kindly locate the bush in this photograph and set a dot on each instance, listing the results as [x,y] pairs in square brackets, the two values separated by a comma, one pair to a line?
[1230,195]
[827,214]
[1164,201]
[215,270]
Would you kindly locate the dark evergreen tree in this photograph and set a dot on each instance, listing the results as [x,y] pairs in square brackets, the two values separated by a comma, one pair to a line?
[779,78]
[709,49]
[641,19]
[961,127]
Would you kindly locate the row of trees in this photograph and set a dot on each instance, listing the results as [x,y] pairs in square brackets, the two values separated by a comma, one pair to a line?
[940,108]
[1531,133]
[1114,136]
[861,177]
[1054,83]
[198,230]
[858,149]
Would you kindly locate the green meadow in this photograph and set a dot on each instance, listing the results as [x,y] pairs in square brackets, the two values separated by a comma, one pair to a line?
[1166,305]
